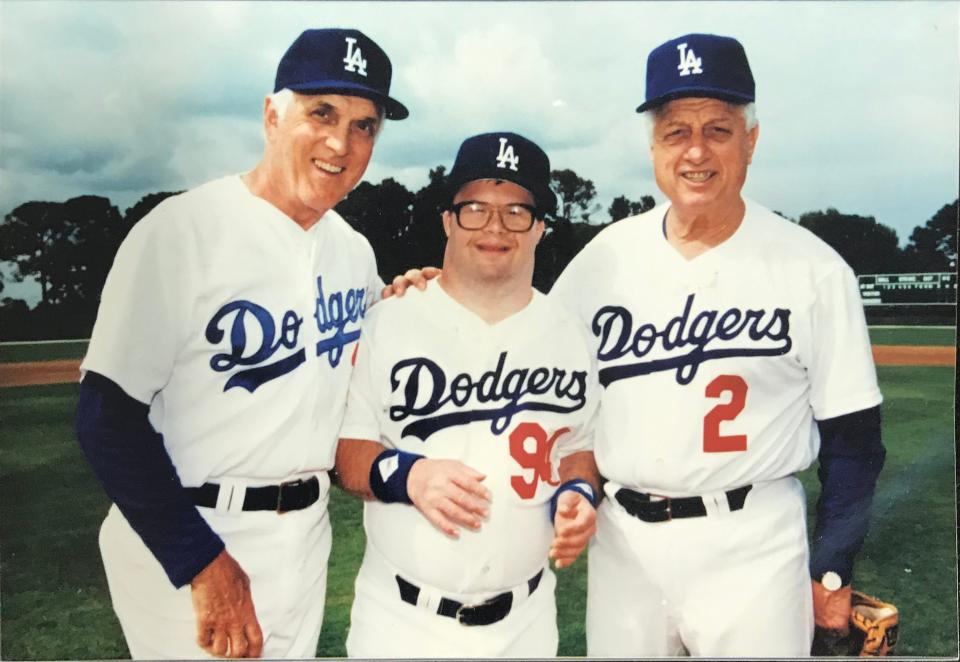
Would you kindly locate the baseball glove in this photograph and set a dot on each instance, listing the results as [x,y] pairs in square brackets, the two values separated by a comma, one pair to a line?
[873,630]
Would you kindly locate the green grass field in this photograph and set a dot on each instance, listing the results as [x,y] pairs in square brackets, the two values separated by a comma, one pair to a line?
[914,335]
[73,349]
[54,598]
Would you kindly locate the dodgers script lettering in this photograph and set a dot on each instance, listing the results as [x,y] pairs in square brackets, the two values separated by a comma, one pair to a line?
[332,313]
[426,389]
[239,353]
[335,312]
[693,338]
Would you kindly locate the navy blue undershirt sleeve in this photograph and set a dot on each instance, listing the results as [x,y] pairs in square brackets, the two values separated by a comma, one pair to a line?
[851,457]
[132,464]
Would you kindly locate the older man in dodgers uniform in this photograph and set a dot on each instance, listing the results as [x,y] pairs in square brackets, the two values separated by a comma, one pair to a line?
[215,381]
[733,351]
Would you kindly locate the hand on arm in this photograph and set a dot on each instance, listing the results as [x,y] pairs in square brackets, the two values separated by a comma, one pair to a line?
[575,521]
[449,494]
[416,277]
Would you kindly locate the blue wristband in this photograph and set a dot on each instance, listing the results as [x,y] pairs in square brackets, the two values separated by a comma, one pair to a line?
[577,485]
[388,475]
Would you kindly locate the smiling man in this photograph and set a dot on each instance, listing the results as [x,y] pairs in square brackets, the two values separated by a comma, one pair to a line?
[216,377]
[733,353]
[467,430]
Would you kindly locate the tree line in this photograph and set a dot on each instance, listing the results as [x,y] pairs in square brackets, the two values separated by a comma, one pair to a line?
[68,247]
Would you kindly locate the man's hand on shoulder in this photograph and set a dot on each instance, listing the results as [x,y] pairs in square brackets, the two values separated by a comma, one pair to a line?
[416,277]
[574,525]
[449,494]
[227,623]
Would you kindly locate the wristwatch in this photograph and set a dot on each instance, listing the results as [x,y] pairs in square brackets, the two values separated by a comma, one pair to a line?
[831,580]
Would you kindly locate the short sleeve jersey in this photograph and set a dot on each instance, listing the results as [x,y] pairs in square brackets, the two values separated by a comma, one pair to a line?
[508,399]
[236,326]
[714,369]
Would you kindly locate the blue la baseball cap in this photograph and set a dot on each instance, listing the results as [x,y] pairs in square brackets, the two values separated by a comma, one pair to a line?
[339,61]
[507,156]
[698,65]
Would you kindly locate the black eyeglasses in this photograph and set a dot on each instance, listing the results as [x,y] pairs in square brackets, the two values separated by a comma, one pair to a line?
[474,215]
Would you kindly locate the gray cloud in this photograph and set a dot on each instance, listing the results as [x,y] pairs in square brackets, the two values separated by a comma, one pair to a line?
[858,102]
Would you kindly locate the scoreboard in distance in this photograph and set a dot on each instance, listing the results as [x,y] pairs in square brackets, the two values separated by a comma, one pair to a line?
[908,289]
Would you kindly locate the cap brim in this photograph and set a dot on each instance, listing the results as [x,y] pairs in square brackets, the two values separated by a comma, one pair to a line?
[393,109]
[723,95]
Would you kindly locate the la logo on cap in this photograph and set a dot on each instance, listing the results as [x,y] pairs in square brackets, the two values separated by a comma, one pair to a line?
[354,60]
[689,62]
[506,156]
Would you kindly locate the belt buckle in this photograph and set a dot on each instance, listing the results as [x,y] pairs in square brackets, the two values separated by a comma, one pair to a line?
[465,612]
[666,499]
[289,483]
[459,615]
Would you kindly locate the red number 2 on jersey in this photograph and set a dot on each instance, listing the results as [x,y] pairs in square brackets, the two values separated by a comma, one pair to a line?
[713,441]
[537,459]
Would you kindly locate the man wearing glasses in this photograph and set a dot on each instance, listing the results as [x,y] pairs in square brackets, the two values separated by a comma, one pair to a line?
[470,402]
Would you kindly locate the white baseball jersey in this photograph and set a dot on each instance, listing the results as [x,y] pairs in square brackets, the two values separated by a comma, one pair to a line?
[236,326]
[715,368]
[508,399]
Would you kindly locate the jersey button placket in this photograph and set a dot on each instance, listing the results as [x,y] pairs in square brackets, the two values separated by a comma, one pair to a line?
[476,350]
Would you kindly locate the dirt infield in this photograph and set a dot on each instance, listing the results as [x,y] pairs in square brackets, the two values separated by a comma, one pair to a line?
[935,355]
[39,372]
[64,372]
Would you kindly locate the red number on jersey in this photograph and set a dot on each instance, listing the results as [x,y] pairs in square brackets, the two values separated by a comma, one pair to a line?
[537,459]
[713,441]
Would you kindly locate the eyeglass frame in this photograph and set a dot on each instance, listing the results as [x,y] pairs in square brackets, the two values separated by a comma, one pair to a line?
[499,209]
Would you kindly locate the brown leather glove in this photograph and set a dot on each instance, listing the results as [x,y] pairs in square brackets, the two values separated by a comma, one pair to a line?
[873,630]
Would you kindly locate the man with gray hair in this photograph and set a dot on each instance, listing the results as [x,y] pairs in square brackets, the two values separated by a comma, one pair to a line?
[733,353]
[215,381]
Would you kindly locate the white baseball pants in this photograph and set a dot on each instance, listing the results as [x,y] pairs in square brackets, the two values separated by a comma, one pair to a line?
[383,625]
[728,584]
[285,557]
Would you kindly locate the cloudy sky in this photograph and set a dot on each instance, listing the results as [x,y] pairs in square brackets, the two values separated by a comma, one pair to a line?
[857,101]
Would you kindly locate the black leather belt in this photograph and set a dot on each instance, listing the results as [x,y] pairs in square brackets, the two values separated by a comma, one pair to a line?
[486,613]
[291,495]
[663,509]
